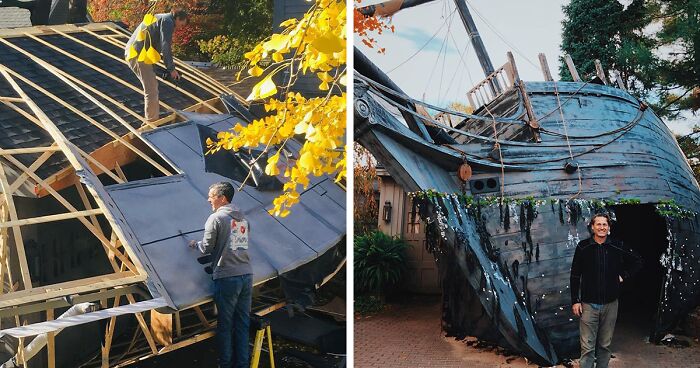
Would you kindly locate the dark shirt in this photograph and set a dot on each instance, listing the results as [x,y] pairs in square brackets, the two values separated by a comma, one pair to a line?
[596,269]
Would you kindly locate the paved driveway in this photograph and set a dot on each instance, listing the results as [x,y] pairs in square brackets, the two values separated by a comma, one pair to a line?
[409,335]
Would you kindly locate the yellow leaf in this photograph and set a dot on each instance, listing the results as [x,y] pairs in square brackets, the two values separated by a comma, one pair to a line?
[132,53]
[307,161]
[284,213]
[149,19]
[276,42]
[265,88]
[277,57]
[323,86]
[255,71]
[328,43]
[142,54]
[152,56]
[271,168]
[300,127]
[209,142]
[288,22]
[324,76]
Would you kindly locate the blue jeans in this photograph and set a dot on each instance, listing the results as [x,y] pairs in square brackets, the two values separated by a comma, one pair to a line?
[232,296]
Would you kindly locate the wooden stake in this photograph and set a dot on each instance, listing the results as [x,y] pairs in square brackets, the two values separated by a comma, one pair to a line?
[600,72]
[572,68]
[545,68]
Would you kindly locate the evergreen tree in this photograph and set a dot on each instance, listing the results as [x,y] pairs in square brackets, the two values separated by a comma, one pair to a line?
[605,30]
[680,68]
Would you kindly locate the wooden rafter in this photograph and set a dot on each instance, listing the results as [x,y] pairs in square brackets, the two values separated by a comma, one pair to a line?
[49,218]
[16,231]
[92,99]
[101,71]
[168,83]
[188,68]
[66,147]
[185,74]
[98,165]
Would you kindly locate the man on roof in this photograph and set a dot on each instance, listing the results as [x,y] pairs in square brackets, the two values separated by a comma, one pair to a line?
[151,39]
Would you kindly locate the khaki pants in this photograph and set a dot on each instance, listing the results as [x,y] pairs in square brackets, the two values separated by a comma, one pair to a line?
[597,326]
[150,88]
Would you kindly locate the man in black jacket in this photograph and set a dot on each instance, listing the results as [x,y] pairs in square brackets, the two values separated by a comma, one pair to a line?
[600,265]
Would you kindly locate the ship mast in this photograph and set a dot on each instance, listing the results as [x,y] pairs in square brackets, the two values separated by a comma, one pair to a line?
[478,44]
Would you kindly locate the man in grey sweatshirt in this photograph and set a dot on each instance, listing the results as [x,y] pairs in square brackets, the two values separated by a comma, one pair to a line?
[226,235]
[160,36]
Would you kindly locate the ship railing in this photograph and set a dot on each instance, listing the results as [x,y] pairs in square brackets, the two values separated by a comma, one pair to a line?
[492,86]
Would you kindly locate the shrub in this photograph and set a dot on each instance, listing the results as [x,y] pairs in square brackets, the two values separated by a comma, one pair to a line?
[368,304]
[380,261]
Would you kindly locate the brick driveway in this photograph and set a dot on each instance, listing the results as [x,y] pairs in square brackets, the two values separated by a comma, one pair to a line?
[409,335]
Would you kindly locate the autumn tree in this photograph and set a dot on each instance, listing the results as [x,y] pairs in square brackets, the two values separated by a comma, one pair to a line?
[315,44]
[366,182]
[217,30]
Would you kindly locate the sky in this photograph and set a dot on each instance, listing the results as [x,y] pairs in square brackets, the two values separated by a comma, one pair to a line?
[430,56]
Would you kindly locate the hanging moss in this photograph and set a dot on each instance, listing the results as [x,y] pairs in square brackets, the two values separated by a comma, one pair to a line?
[670,209]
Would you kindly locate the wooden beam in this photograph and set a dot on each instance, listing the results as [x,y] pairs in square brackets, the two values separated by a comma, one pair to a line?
[186,93]
[16,231]
[600,72]
[572,68]
[618,79]
[62,303]
[19,151]
[190,341]
[194,71]
[33,167]
[51,342]
[201,317]
[68,170]
[49,218]
[185,74]
[62,289]
[92,99]
[64,144]
[12,99]
[96,232]
[103,72]
[545,68]
[204,106]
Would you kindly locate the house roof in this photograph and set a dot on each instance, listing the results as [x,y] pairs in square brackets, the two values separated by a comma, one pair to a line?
[93,55]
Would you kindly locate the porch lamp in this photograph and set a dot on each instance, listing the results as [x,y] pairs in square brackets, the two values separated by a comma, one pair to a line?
[387,211]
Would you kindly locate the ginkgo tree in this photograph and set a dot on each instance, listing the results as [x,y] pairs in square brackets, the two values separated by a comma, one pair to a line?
[314,44]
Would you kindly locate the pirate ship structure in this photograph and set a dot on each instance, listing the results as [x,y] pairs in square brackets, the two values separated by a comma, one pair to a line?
[97,206]
[507,192]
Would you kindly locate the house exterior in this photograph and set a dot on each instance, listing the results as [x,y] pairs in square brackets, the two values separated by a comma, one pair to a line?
[396,218]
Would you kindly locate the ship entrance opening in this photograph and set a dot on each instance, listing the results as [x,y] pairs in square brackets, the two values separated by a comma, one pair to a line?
[644,231]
